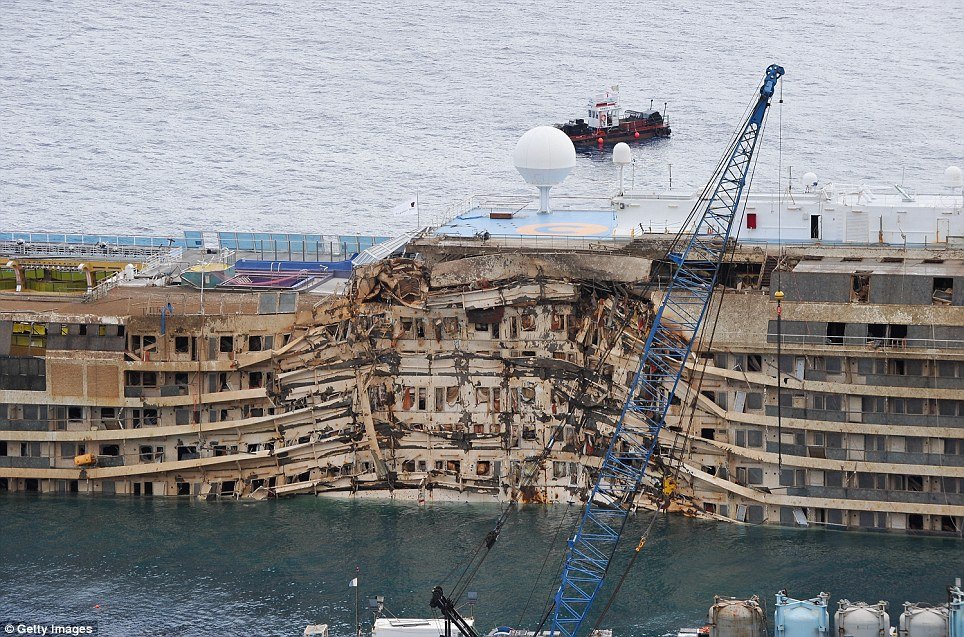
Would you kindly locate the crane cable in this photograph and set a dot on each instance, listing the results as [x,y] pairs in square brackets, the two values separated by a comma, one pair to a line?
[474,563]
[669,488]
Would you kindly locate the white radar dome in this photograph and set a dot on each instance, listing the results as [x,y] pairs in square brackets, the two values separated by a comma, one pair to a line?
[810,179]
[544,156]
[622,155]
[953,178]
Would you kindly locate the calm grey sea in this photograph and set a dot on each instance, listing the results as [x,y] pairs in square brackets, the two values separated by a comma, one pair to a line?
[320,116]
[164,567]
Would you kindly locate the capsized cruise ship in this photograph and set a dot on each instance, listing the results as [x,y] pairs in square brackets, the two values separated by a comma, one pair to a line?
[432,365]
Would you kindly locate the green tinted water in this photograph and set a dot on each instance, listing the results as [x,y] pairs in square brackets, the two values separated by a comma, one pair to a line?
[179,567]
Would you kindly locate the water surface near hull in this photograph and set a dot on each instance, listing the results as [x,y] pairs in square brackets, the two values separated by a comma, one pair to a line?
[181,567]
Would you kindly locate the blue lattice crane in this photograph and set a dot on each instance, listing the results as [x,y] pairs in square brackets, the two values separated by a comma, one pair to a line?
[697,256]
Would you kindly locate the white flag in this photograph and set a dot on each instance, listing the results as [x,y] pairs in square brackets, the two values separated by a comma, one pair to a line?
[353,583]
[407,207]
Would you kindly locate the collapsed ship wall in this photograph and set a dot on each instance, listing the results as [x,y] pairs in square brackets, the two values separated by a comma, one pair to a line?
[454,374]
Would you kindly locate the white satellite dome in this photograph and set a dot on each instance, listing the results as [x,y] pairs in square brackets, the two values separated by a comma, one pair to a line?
[953,177]
[809,179]
[544,156]
[621,154]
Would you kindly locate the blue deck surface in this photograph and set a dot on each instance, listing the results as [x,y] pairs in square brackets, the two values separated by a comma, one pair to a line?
[593,224]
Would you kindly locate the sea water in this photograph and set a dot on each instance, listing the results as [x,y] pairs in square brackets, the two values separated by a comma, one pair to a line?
[143,566]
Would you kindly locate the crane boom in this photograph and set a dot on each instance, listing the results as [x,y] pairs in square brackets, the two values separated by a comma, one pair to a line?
[697,259]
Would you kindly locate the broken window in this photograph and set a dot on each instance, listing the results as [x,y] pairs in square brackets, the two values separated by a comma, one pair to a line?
[226,344]
[451,325]
[454,466]
[481,327]
[943,291]
[483,468]
[860,287]
[256,380]
[528,321]
[28,339]
[482,396]
[496,400]
[182,344]
[836,333]
[254,343]
[181,378]
[451,395]
[422,399]
[408,398]
[754,363]
[558,322]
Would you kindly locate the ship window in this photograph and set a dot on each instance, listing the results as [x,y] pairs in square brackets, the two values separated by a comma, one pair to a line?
[751,220]
[860,287]
[943,290]
[915,483]
[835,333]
[254,343]
[226,344]
[182,344]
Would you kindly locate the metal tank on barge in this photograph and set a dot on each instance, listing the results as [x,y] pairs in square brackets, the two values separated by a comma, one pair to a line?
[606,123]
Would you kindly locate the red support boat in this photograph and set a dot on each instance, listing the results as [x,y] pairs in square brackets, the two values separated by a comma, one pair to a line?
[606,124]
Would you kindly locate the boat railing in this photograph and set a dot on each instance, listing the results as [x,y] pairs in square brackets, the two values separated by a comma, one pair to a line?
[541,243]
[858,342]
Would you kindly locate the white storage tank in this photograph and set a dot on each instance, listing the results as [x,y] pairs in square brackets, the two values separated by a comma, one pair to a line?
[919,620]
[801,618]
[859,619]
[732,617]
